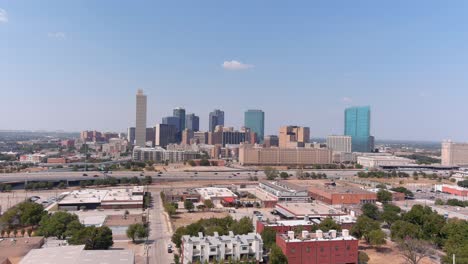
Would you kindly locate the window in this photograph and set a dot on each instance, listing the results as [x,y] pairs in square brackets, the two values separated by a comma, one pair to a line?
[348,247]
[250,244]
[307,249]
[212,249]
[337,248]
[293,250]
[194,247]
[321,249]
[244,248]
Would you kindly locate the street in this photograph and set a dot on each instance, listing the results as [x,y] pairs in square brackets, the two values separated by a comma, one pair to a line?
[160,233]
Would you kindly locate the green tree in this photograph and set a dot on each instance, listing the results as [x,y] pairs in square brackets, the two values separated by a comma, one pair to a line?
[208,204]
[269,237]
[205,162]
[390,214]
[384,196]
[271,173]
[328,224]
[137,231]
[92,237]
[170,209]
[189,205]
[456,240]
[284,175]
[277,256]
[243,226]
[377,238]
[363,258]
[364,225]
[370,210]
[191,163]
[57,224]
[402,229]
[414,250]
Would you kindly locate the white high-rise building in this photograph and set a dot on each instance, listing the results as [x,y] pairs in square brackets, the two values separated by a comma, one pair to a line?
[140,124]
[339,143]
[454,154]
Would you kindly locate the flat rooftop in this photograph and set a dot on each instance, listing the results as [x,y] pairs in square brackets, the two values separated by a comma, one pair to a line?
[284,186]
[314,237]
[329,190]
[77,255]
[314,209]
[88,196]
[215,192]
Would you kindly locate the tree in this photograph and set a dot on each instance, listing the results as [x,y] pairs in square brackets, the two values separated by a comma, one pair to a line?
[191,163]
[456,243]
[363,258]
[243,226]
[277,256]
[414,250]
[208,204]
[269,237]
[135,231]
[384,196]
[390,214]
[364,225]
[370,210]
[23,214]
[377,238]
[189,205]
[271,173]
[402,229]
[92,237]
[205,162]
[328,224]
[170,209]
[403,190]
[284,175]
[463,183]
[59,225]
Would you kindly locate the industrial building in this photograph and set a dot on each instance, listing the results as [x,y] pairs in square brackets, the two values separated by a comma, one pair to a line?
[284,191]
[217,195]
[342,195]
[221,248]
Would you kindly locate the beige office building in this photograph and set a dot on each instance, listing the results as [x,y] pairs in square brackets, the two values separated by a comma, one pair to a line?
[140,123]
[249,155]
[339,143]
[293,136]
[454,154]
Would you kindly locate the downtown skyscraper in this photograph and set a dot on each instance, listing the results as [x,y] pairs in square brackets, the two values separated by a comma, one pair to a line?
[216,118]
[140,120]
[192,122]
[357,125]
[255,120]
[179,112]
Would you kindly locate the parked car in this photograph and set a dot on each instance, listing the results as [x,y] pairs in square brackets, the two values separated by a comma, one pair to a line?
[84,174]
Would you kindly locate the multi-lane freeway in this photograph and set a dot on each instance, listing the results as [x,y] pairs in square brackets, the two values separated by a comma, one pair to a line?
[171,175]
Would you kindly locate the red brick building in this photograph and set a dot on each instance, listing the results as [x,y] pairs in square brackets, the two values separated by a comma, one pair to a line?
[342,195]
[455,190]
[282,227]
[318,248]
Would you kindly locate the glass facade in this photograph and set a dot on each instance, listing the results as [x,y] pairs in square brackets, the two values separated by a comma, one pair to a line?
[255,120]
[357,125]
[216,118]
[179,112]
[192,122]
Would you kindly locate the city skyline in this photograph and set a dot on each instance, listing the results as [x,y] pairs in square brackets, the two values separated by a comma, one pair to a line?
[406,61]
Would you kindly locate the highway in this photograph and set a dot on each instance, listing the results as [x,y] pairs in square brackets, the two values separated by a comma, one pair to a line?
[164,176]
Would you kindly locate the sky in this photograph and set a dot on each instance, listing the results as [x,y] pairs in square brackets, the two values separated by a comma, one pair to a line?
[76,65]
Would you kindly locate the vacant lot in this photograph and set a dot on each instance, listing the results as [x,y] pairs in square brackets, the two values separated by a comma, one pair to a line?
[183,219]
[388,254]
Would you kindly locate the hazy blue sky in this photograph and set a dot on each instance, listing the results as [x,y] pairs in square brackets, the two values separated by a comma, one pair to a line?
[76,65]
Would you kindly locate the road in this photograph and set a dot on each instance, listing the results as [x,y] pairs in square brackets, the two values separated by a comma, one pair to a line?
[174,176]
[160,232]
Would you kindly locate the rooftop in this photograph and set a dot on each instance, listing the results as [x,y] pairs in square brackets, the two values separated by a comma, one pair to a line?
[300,210]
[317,236]
[77,255]
[87,196]
[216,239]
[213,192]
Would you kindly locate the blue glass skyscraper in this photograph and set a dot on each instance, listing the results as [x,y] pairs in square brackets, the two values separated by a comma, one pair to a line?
[357,125]
[255,120]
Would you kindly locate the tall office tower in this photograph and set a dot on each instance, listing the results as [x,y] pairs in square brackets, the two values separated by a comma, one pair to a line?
[357,125]
[339,143]
[271,141]
[216,118]
[192,122]
[150,132]
[255,120]
[454,154]
[172,120]
[164,135]
[293,136]
[180,113]
[140,124]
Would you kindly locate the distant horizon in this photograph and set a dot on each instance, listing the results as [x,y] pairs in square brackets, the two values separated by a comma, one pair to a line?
[77,65]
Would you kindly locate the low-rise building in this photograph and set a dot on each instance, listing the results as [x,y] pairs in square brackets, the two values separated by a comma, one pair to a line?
[181,195]
[77,255]
[314,210]
[342,195]
[221,248]
[375,162]
[118,198]
[284,191]
[319,247]
[217,195]
[452,189]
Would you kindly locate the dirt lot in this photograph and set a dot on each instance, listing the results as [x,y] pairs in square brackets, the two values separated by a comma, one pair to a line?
[183,219]
[388,254]
[120,220]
